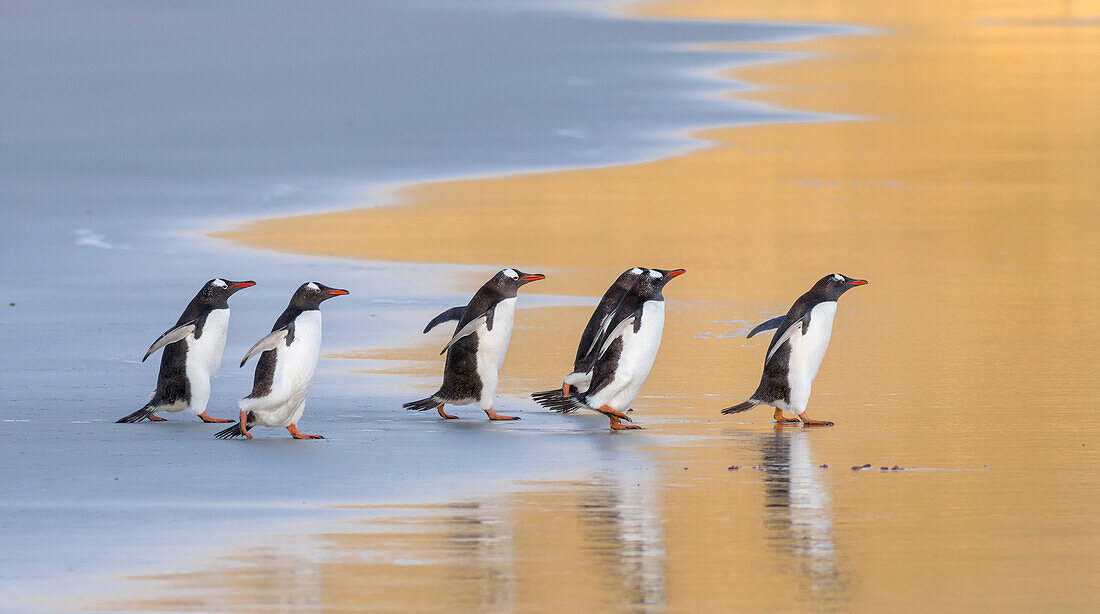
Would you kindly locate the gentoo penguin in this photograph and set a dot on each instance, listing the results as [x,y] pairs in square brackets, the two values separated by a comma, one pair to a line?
[192,354]
[587,351]
[627,349]
[797,349]
[476,351]
[287,365]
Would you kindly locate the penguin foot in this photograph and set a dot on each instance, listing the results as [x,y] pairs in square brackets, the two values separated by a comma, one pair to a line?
[205,417]
[295,433]
[155,418]
[615,415]
[616,425]
[444,414]
[808,422]
[244,425]
[493,415]
[565,391]
[779,417]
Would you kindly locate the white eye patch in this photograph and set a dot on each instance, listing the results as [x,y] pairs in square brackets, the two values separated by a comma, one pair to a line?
[838,277]
[511,273]
[313,286]
[654,274]
[636,271]
[220,283]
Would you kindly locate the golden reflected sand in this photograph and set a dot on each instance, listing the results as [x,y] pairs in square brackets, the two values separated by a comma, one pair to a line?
[967,194]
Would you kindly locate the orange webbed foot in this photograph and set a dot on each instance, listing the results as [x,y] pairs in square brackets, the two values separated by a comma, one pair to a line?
[782,420]
[244,425]
[493,415]
[809,422]
[156,418]
[205,417]
[295,433]
[617,425]
[444,414]
[606,410]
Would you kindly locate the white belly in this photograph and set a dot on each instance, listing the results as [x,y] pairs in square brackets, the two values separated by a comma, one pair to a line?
[295,370]
[807,353]
[204,355]
[492,347]
[635,361]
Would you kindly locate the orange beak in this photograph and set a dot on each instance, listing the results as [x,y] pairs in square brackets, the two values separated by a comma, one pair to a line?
[858,282]
[533,277]
[244,284]
[676,273]
[338,292]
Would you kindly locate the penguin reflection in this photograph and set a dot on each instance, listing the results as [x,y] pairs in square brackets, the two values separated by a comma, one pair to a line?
[798,518]
[480,542]
[622,524]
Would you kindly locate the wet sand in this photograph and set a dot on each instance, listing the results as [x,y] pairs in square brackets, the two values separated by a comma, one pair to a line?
[965,192]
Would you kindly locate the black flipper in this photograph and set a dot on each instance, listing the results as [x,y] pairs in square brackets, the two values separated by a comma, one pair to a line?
[141,414]
[173,335]
[740,407]
[454,313]
[470,327]
[271,341]
[422,404]
[769,325]
[806,321]
[612,331]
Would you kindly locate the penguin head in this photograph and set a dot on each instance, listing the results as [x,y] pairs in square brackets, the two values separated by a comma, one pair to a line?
[509,280]
[652,280]
[832,286]
[217,291]
[311,294]
[629,277]
[667,275]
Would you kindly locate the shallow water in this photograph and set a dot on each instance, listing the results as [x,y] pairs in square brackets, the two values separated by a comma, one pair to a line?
[940,367]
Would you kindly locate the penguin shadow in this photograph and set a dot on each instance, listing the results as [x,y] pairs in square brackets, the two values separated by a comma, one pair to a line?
[178,424]
[474,420]
[798,515]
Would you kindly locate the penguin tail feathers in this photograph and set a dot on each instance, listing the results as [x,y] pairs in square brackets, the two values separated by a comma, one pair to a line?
[137,416]
[740,407]
[230,433]
[554,401]
[422,404]
[548,398]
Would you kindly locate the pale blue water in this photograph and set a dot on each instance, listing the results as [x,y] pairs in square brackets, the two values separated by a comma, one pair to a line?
[124,126]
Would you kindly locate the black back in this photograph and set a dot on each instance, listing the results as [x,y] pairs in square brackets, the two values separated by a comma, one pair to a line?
[647,288]
[172,384]
[307,297]
[608,303]
[774,384]
[460,379]
[828,288]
